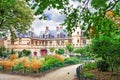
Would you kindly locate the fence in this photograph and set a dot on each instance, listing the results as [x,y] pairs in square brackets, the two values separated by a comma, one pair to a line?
[78,72]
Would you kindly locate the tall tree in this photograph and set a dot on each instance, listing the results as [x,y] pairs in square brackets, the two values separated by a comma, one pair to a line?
[15,16]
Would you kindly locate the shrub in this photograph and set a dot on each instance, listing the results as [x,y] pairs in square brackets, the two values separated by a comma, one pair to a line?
[4,53]
[18,66]
[26,52]
[70,61]
[60,51]
[51,62]
[90,66]
[88,75]
[54,62]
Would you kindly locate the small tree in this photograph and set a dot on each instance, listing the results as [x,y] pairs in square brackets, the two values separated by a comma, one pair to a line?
[4,53]
[70,48]
[26,52]
[51,49]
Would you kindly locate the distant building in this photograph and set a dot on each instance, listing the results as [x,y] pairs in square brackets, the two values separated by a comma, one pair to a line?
[49,38]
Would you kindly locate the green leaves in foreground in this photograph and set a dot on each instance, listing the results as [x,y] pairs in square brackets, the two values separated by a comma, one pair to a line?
[16,16]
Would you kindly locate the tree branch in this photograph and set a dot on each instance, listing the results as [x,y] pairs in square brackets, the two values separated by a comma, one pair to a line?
[2,21]
[108,9]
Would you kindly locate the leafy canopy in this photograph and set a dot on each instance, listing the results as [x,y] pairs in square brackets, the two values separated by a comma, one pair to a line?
[15,16]
[89,15]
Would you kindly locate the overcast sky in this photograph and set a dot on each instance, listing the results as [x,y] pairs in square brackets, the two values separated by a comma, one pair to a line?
[54,19]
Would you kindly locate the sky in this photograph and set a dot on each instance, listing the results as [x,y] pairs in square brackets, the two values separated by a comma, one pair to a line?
[54,18]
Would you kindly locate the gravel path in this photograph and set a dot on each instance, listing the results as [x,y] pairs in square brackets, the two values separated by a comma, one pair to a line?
[65,73]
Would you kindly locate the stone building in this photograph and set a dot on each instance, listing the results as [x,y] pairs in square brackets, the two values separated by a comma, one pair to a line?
[49,38]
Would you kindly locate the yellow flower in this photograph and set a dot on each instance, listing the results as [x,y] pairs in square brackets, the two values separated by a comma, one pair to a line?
[13,56]
[35,64]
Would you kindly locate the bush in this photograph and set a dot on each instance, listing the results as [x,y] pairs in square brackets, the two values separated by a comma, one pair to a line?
[90,66]
[70,61]
[88,75]
[4,53]
[60,51]
[24,53]
[51,62]
[18,66]
[102,65]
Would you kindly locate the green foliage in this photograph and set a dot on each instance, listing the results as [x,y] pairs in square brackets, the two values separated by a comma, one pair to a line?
[60,51]
[18,66]
[12,51]
[24,53]
[79,50]
[88,75]
[51,62]
[96,4]
[70,61]
[102,65]
[89,14]
[52,49]
[43,4]
[102,46]
[90,66]
[86,52]
[16,15]
[4,53]
[107,47]
[117,9]
[70,48]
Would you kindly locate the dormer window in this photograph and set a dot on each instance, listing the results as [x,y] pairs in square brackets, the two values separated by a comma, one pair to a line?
[58,35]
[77,33]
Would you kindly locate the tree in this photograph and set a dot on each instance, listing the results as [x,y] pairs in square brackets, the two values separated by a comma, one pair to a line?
[90,15]
[70,48]
[108,49]
[16,16]
[52,49]
[26,52]
[4,53]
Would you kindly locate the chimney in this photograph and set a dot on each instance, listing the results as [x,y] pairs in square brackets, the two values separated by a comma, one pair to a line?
[57,28]
[57,32]
[32,32]
[47,28]
[61,28]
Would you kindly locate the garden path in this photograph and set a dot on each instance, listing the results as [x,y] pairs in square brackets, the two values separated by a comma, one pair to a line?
[65,73]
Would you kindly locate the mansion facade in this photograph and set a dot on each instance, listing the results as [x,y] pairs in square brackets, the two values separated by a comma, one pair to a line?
[48,38]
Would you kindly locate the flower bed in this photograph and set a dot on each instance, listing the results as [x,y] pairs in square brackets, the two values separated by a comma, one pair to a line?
[33,66]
